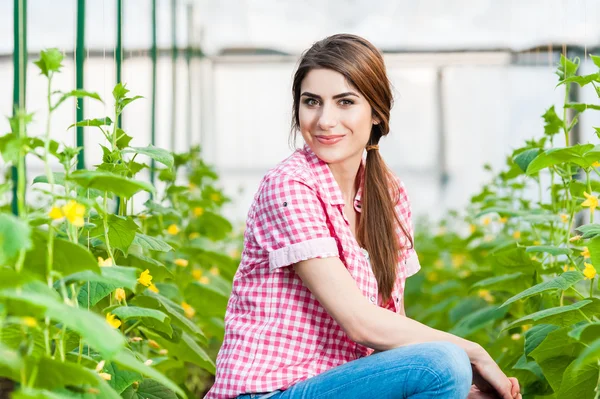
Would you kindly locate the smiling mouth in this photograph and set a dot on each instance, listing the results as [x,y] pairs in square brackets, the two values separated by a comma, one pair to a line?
[329,139]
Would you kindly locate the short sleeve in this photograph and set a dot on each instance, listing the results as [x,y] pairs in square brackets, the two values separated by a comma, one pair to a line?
[290,223]
[403,208]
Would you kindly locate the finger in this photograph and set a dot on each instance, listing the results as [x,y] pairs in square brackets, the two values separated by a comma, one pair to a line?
[515,386]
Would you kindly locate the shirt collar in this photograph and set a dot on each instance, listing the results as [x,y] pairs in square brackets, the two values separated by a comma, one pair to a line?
[328,183]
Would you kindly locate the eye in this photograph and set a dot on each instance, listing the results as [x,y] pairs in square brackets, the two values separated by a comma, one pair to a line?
[311,102]
[346,101]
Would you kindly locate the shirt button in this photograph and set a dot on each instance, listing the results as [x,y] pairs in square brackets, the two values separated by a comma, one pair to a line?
[373,299]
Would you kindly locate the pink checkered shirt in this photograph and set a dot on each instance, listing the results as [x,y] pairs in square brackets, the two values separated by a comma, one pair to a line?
[276,332]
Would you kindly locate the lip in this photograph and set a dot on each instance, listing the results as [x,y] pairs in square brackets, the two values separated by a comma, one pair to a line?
[330,139]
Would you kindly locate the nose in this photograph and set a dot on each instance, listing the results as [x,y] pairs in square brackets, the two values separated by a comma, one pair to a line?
[328,118]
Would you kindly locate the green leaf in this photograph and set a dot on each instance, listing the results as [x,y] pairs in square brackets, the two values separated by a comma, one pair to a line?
[536,334]
[525,158]
[584,80]
[15,236]
[110,182]
[50,61]
[589,230]
[121,232]
[123,139]
[595,60]
[589,356]
[68,257]
[56,374]
[566,67]
[562,282]
[93,328]
[149,389]
[151,243]
[119,276]
[586,332]
[578,382]
[583,155]
[580,107]
[550,249]
[159,302]
[557,343]
[499,282]
[158,154]
[212,225]
[93,292]
[206,299]
[76,94]
[157,269]
[477,320]
[552,123]
[127,360]
[10,359]
[121,379]
[98,122]
[560,315]
[151,317]
[185,349]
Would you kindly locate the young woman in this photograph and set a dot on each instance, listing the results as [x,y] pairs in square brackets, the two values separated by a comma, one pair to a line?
[316,309]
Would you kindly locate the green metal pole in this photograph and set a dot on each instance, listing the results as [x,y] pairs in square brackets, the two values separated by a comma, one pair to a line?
[20,80]
[79,64]
[119,50]
[154,57]
[173,71]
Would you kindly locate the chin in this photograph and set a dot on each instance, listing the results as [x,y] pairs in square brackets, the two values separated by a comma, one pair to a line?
[331,154]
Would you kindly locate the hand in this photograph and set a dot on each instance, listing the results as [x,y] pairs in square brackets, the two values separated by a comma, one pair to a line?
[489,379]
[475,393]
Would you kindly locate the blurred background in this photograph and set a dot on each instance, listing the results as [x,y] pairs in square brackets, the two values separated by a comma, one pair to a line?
[471,79]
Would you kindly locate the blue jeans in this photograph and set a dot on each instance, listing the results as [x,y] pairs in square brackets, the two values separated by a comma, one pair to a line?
[420,371]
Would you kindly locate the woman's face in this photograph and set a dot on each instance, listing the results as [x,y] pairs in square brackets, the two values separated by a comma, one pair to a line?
[335,118]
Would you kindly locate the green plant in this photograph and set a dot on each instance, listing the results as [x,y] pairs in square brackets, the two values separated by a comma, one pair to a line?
[96,302]
[512,274]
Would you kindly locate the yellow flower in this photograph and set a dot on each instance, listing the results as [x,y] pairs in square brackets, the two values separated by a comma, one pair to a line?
[197,274]
[74,213]
[596,164]
[536,242]
[526,327]
[105,262]
[55,213]
[585,253]
[145,278]
[486,220]
[105,376]
[214,271]
[194,235]
[472,228]
[136,339]
[458,260]
[568,268]
[120,294]
[564,217]
[100,366]
[192,186]
[575,238]
[215,197]
[148,362]
[153,288]
[153,344]
[589,272]
[29,321]
[485,294]
[188,310]
[517,235]
[198,211]
[110,319]
[503,219]
[204,280]
[464,273]
[143,216]
[163,352]
[432,276]
[515,337]
[591,201]
[173,229]
[181,262]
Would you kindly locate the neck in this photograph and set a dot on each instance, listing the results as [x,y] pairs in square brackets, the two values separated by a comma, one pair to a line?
[345,175]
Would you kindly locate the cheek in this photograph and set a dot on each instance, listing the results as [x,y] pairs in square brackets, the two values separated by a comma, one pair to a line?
[306,118]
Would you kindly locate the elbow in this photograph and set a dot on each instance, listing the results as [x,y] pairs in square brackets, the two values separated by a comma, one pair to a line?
[357,331]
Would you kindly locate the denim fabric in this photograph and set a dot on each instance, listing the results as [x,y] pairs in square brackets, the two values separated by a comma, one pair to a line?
[420,371]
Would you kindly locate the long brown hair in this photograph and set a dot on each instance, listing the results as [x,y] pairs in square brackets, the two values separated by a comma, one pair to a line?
[362,65]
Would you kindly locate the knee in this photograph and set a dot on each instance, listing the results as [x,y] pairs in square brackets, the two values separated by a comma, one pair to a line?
[451,363]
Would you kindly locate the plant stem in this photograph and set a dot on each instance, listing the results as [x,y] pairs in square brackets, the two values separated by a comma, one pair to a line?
[105,220]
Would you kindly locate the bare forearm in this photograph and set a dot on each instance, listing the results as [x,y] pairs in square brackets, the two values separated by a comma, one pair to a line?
[385,330]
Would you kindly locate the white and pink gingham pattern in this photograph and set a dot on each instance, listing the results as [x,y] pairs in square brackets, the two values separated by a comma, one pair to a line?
[276,332]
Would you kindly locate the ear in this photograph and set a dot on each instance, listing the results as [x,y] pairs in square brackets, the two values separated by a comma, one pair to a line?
[376,121]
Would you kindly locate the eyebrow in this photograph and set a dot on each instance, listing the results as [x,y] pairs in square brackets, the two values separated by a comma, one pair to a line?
[348,93]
